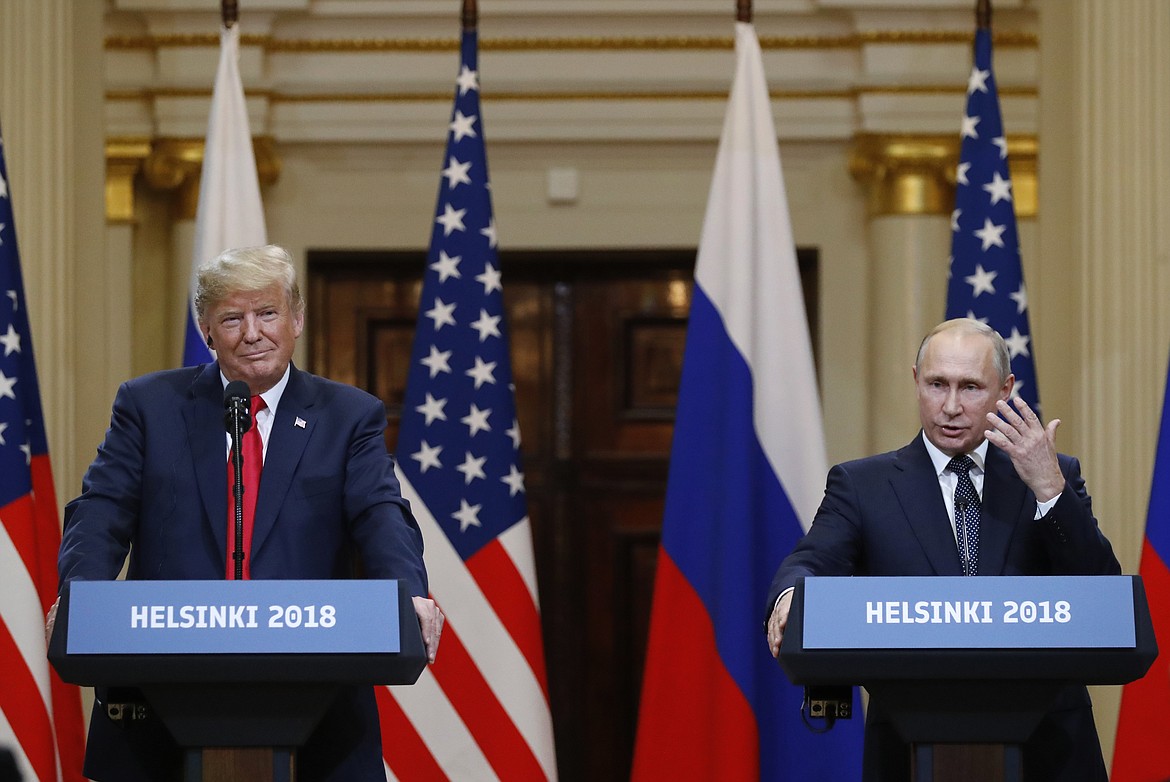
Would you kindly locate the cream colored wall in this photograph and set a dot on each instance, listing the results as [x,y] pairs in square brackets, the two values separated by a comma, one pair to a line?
[1104,276]
[51,107]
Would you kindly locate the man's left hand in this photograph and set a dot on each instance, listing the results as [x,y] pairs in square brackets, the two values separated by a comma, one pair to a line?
[430,621]
[1031,446]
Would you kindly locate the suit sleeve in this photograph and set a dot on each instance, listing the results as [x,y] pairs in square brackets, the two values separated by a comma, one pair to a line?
[381,522]
[100,523]
[1069,532]
[833,543]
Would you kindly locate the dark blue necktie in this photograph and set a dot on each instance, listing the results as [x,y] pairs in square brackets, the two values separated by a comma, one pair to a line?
[966,514]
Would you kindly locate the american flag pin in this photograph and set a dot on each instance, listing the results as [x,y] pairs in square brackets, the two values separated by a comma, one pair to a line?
[299,423]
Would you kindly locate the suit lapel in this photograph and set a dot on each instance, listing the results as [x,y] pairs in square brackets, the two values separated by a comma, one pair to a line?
[291,430]
[1005,508]
[205,432]
[916,485]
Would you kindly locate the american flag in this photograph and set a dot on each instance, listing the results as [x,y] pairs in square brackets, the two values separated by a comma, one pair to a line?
[40,718]
[987,280]
[481,711]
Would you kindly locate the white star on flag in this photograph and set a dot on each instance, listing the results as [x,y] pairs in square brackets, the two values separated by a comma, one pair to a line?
[462,127]
[432,409]
[969,124]
[999,188]
[441,314]
[427,456]
[1017,343]
[467,515]
[490,279]
[451,219]
[991,234]
[447,266]
[476,420]
[10,341]
[487,325]
[472,467]
[437,361]
[981,281]
[456,173]
[978,81]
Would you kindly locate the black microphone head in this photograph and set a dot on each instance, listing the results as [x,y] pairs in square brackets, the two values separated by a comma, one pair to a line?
[237,389]
[236,406]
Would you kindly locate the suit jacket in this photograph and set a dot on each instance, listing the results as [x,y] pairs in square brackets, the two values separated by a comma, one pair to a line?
[158,492]
[885,516]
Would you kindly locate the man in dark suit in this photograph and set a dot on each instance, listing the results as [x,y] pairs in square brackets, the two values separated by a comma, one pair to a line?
[894,514]
[158,491]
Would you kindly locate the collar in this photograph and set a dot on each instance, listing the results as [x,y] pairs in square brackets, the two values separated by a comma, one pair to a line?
[272,396]
[940,460]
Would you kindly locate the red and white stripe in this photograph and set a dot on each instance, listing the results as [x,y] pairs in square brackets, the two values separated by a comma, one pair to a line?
[481,712]
[27,698]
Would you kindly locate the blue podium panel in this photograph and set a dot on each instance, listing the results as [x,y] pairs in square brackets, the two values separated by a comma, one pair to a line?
[1009,612]
[233,617]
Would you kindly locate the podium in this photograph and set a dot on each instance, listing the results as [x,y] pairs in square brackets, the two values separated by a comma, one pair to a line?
[239,672]
[965,668]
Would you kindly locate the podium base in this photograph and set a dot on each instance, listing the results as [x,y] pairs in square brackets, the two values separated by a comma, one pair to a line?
[967,763]
[239,764]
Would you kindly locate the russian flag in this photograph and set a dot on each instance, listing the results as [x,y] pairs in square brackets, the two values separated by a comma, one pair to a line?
[1140,753]
[746,473]
[230,213]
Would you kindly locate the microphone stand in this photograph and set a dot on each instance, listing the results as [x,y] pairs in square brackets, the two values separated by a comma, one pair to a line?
[239,415]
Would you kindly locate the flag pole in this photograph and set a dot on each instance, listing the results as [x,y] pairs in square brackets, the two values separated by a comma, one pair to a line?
[983,14]
[743,11]
[470,15]
[230,10]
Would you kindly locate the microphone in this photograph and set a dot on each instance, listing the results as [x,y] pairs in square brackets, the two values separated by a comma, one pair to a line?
[237,418]
[236,406]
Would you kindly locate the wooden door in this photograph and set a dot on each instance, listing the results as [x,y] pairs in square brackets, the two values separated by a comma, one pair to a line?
[597,346]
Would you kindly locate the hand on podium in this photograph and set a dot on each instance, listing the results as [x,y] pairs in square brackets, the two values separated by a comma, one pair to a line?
[430,621]
[778,621]
[50,621]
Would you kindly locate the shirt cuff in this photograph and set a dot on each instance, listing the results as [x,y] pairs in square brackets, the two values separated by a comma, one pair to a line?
[1042,508]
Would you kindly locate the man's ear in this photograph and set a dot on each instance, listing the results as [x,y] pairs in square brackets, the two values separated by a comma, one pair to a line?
[1008,385]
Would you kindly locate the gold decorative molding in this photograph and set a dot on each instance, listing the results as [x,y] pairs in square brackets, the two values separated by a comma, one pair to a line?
[915,174]
[176,164]
[1006,38]
[850,93]
[124,158]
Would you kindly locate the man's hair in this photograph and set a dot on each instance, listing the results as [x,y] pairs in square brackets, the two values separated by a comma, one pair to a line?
[246,269]
[999,348]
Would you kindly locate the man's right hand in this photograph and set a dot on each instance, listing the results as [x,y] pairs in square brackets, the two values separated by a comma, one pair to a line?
[778,621]
[51,620]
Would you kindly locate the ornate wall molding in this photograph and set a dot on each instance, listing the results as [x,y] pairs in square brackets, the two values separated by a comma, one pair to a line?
[915,174]
[271,44]
[124,158]
[169,164]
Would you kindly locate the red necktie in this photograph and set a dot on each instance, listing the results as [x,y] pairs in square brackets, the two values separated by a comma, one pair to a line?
[253,453]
